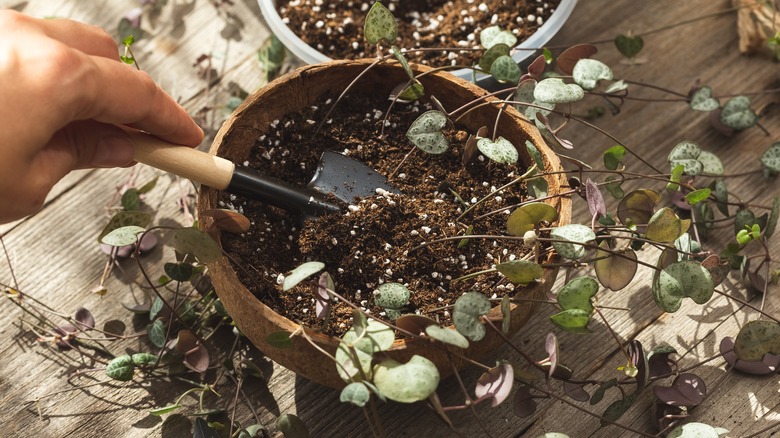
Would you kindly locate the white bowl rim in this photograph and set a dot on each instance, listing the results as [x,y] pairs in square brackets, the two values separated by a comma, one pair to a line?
[310,55]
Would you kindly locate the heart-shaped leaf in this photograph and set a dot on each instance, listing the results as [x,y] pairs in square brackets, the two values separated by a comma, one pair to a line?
[697,196]
[637,207]
[665,227]
[711,164]
[448,336]
[526,217]
[493,35]
[702,100]
[573,320]
[756,339]
[737,114]
[467,312]
[614,188]
[426,134]
[122,236]
[770,159]
[615,271]
[496,383]
[197,243]
[406,383]
[179,271]
[577,294]
[415,324]
[322,295]
[679,280]
[380,25]
[121,368]
[686,153]
[686,390]
[588,72]
[569,57]
[301,273]
[492,54]
[505,70]
[554,90]
[629,45]
[596,205]
[356,393]
[569,239]
[228,220]
[500,151]
[614,156]
[375,337]
[768,365]
[391,296]
[124,219]
[412,92]
[521,271]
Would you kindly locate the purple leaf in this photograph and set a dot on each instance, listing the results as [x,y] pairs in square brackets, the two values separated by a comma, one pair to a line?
[659,363]
[551,346]
[639,360]
[768,365]
[196,356]
[414,323]
[536,69]
[576,391]
[717,268]
[148,242]
[596,205]
[85,319]
[686,390]
[569,57]
[321,295]
[523,404]
[495,383]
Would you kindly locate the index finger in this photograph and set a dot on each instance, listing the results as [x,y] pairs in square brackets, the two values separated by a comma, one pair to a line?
[113,92]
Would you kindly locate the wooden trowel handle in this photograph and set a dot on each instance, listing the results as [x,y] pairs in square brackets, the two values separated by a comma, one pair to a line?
[183,161]
[222,174]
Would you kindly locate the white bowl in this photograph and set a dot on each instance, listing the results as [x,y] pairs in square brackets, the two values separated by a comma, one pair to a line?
[523,51]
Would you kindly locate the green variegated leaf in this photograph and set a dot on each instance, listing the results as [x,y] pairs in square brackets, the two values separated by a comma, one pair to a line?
[737,115]
[521,271]
[569,239]
[587,73]
[426,134]
[504,69]
[493,35]
[554,90]
[406,383]
[770,159]
[500,151]
[702,100]
[492,54]
[380,25]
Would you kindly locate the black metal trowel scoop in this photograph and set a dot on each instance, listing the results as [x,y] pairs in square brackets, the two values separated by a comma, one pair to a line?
[338,175]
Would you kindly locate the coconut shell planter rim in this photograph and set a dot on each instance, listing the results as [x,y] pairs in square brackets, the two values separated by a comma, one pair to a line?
[523,51]
[301,88]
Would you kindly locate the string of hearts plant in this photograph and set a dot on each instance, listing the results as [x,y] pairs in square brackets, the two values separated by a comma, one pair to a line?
[671,219]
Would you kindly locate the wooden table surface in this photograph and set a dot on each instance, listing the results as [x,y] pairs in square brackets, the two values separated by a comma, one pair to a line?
[56,260]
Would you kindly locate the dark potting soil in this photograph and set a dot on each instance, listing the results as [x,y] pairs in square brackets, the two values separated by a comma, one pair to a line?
[335,27]
[377,240]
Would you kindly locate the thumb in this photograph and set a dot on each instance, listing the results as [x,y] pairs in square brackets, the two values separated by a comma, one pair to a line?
[88,144]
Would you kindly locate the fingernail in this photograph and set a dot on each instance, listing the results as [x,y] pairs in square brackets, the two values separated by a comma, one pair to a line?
[113,151]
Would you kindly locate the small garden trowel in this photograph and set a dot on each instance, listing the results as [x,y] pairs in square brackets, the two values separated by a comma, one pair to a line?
[340,176]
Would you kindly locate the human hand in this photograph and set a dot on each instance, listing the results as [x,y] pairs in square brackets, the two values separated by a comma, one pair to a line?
[63,89]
